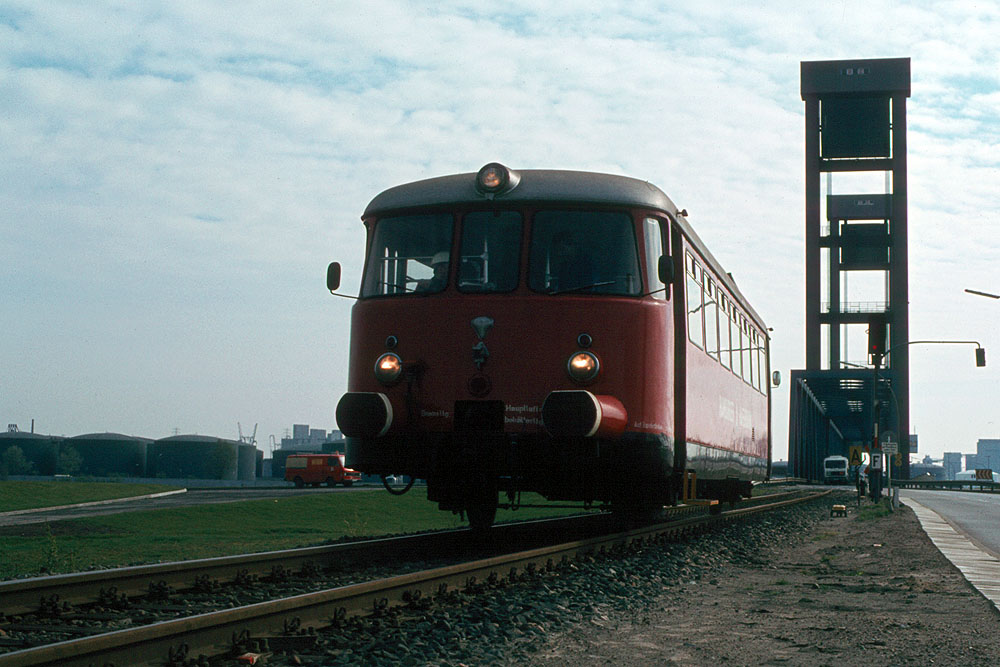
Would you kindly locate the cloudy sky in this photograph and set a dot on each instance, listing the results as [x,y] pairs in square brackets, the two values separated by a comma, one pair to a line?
[175,176]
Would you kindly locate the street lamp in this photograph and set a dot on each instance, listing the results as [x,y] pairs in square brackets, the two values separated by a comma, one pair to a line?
[877,357]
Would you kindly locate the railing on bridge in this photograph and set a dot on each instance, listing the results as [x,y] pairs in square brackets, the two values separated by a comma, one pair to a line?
[858,307]
[949,485]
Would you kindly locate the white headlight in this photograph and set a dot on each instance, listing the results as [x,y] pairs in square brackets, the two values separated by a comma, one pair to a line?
[388,367]
[583,366]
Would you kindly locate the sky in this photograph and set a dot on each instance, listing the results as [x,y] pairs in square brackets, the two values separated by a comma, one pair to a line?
[175,177]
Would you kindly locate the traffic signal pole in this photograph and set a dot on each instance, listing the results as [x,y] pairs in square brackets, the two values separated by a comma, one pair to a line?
[876,345]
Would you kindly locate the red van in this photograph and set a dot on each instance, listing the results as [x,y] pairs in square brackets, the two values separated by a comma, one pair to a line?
[317,469]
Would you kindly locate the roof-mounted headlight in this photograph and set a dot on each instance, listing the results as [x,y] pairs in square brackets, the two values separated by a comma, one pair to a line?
[495,179]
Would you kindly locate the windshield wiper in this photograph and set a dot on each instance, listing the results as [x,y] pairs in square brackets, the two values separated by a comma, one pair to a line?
[581,287]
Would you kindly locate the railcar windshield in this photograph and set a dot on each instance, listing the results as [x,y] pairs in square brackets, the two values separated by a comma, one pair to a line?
[571,252]
[584,252]
[490,252]
[410,253]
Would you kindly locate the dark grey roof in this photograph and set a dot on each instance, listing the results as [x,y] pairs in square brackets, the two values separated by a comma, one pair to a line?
[548,185]
[110,436]
[553,185]
[196,438]
[26,435]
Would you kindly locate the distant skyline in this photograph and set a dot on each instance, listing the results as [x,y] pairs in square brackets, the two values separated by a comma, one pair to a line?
[175,178]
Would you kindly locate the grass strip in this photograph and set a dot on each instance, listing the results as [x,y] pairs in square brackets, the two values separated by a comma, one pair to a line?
[202,531]
[34,495]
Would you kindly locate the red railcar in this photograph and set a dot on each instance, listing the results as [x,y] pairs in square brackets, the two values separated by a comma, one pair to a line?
[553,331]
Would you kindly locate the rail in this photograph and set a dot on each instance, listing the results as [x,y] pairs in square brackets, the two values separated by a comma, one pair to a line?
[225,632]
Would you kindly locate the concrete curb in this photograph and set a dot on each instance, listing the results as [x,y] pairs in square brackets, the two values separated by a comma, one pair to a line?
[95,502]
[980,569]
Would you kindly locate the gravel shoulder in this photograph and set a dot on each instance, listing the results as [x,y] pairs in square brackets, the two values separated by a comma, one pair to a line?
[792,587]
[847,591]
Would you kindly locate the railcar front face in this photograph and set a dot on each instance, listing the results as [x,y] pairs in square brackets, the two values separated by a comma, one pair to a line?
[509,346]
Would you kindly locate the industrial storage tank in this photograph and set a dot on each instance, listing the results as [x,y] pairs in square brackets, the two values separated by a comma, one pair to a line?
[40,451]
[193,456]
[109,454]
[247,462]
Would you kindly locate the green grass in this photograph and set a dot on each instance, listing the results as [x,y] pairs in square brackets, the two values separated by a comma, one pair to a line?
[134,538]
[874,511]
[32,495]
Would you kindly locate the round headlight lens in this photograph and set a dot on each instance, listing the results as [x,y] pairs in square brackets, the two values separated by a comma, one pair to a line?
[388,367]
[492,178]
[583,366]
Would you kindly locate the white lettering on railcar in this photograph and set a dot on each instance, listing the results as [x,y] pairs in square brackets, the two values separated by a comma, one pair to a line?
[522,420]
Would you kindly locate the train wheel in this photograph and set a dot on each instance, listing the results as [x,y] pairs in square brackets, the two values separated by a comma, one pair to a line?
[299,483]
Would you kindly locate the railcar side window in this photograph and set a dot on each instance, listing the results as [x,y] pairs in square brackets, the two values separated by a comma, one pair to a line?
[734,338]
[744,349]
[584,252]
[761,363]
[694,303]
[410,253]
[655,248]
[725,346]
[712,318]
[491,250]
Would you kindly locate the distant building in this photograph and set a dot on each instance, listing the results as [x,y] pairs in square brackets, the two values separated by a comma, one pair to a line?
[303,441]
[952,464]
[987,455]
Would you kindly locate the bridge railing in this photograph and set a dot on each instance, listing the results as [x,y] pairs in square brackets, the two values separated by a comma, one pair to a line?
[949,485]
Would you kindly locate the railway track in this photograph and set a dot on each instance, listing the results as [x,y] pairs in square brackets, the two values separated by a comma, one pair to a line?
[282,623]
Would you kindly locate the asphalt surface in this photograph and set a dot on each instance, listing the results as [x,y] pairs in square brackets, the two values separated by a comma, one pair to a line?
[975,515]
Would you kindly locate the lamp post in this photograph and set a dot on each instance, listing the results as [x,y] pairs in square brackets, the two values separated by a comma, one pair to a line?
[877,358]
[986,294]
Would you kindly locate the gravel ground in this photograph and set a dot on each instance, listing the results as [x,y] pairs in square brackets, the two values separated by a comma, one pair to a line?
[797,587]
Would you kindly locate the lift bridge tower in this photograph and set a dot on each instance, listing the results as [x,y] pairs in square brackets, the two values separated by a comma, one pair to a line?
[855,122]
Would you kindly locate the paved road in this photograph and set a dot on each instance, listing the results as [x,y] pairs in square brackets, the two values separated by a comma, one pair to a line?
[191,497]
[965,527]
[975,515]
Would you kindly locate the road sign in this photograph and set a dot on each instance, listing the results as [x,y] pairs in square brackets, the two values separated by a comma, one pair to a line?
[985,474]
[854,455]
[876,460]
[890,447]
